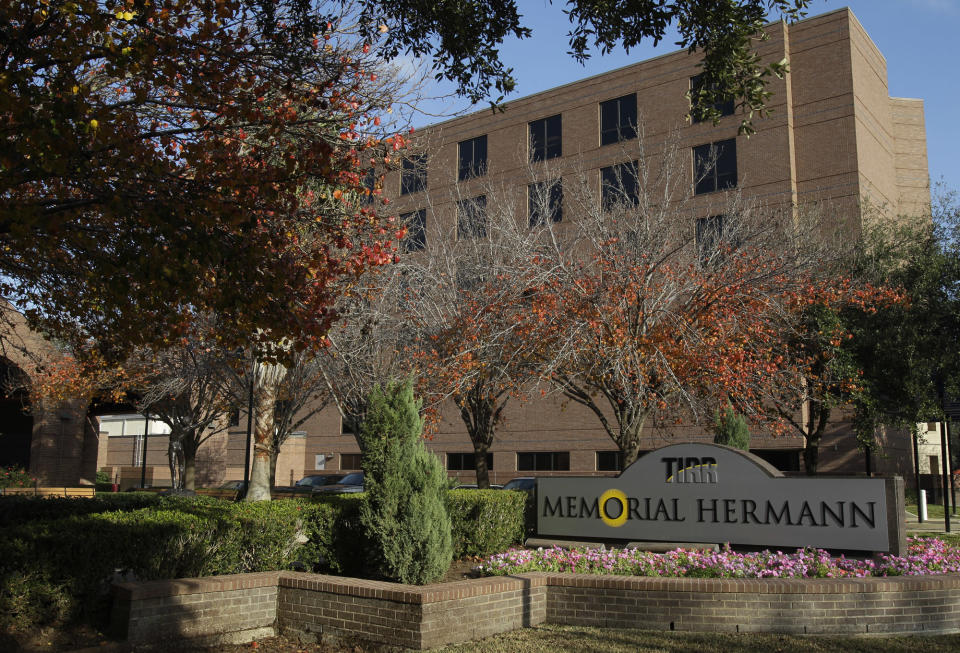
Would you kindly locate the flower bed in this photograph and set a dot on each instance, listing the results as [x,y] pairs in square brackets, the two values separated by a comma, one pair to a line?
[924,556]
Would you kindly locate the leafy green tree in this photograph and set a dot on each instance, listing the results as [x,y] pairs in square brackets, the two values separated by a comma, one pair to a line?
[405,515]
[907,351]
[730,428]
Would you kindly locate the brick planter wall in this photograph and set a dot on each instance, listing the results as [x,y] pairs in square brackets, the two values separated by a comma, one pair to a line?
[244,607]
[868,605]
[416,617]
[237,608]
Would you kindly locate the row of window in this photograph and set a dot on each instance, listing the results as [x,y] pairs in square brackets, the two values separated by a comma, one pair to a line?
[618,123]
[527,461]
[715,167]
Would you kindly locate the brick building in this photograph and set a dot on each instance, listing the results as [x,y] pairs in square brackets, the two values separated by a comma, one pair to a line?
[834,137]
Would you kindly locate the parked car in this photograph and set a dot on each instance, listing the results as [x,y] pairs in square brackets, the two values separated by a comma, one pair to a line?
[522,483]
[232,485]
[319,480]
[349,484]
[473,486]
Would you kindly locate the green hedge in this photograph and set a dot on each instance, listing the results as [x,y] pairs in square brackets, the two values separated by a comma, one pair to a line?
[58,557]
[485,521]
[19,508]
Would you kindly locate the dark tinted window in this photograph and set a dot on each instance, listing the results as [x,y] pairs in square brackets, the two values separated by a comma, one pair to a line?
[618,119]
[546,141]
[619,185]
[609,461]
[543,461]
[413,174]
[473,158]
[545,200]
[724,107]
[416,222]
[715,166]
[466,461]
[472,218]
[349,461]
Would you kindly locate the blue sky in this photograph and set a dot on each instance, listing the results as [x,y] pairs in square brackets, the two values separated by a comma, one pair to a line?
[919,38]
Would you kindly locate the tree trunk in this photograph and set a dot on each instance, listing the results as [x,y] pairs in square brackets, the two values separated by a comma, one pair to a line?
[630,440]
[274,454]
[480,449]
[267,378]
[189,464]
[818,416]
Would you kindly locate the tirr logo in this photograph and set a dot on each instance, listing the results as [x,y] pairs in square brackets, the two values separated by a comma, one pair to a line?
[690,470]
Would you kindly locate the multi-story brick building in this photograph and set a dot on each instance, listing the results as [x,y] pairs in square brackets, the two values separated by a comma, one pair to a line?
[833,137]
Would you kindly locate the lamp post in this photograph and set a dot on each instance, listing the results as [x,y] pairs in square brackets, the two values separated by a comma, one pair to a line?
[143,462]
[246,458]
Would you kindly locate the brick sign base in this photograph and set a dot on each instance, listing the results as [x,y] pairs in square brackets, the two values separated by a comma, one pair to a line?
[248,606]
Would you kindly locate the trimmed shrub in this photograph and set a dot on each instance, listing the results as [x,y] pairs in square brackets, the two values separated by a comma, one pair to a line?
[56,571]
[405,514]
[20,509]
[485,522]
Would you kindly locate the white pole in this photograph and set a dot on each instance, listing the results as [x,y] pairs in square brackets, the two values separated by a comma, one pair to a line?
[923,506]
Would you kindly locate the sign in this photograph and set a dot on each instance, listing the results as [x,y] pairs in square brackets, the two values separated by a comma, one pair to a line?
[713,493]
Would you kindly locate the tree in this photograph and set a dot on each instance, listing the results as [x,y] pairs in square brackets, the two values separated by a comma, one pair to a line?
[164,160]
[655,315]
[184,388]
[905,348]
[405,514]
[467,296]
[463,40]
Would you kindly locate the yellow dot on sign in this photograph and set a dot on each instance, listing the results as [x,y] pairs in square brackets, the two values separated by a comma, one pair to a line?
[618,495]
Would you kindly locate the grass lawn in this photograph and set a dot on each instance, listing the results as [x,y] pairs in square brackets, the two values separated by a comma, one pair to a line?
[546,639]
[933,511]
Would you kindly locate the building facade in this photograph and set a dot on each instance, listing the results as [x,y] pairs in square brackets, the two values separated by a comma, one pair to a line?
[834,138]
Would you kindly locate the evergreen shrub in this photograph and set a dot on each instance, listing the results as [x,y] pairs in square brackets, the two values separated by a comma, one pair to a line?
[731,429]
[405,516]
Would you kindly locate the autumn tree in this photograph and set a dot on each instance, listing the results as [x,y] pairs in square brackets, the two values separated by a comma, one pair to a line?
[169,159]
[466,291]
[662,311]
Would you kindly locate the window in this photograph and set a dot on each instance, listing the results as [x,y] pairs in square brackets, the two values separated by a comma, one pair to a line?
[545,199]
[415,222]
[609,461]
[473,158]
[546,141]
[543,461]
[724,107]
[619,185]
[233,419]
[715,166]
[350,461]
[370,183]
[618,119]
[345,428]
[472,218]
[466,461]
[708,237]
[413,174]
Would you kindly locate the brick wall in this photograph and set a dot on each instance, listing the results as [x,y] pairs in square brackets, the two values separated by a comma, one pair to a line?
[232,608]
[415,617]
[242,607]
[928,604]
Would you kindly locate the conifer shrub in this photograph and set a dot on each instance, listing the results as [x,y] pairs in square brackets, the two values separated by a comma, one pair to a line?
[405,516]
[730,428]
